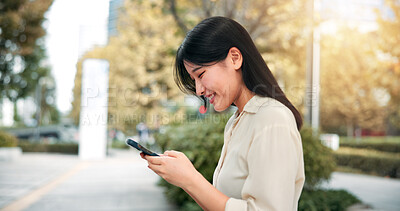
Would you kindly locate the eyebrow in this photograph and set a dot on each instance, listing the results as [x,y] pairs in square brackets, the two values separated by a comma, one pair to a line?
[195,69]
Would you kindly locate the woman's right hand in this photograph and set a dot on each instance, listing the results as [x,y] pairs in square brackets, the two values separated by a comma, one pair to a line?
[174,167]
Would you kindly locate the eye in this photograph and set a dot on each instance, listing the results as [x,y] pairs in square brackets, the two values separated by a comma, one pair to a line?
[201,74]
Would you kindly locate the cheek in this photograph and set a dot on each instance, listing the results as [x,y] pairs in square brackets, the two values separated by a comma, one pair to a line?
[211,82]
[222,82]
[219,86]
[231,89]
[225,92]
[227,84]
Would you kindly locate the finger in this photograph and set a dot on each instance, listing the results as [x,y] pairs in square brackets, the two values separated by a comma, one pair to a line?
[155,160]
[142,155]
[172,153]
[156,168]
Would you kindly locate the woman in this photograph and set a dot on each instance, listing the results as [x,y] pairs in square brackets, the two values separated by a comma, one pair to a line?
[261,165]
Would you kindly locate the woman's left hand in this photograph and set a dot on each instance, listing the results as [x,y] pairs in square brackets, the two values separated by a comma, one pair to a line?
[174,167]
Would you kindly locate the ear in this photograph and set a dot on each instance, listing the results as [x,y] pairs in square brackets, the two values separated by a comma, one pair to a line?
[236,57]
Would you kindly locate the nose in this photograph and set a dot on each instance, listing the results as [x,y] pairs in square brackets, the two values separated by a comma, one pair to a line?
[200,89]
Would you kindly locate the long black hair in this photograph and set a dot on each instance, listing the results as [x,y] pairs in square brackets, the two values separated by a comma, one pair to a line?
[210,41]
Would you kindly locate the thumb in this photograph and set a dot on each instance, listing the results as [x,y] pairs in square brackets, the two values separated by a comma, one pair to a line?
[172,153]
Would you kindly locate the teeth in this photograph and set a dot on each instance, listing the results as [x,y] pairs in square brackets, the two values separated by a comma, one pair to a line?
[209,98]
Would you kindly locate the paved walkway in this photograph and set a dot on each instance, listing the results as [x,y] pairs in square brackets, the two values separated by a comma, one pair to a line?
[380,193]
[40,182]
[43,182]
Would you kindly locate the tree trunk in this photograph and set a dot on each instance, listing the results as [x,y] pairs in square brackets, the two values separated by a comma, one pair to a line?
[350,130]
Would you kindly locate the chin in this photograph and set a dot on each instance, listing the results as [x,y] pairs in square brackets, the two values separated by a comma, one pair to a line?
[220,108]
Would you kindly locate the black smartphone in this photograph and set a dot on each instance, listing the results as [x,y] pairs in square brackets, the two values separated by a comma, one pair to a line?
[139,147]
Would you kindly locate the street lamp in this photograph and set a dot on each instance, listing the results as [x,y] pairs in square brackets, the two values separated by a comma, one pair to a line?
[313,69]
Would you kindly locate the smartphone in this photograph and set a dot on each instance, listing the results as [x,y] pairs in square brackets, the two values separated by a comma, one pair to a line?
[139,147]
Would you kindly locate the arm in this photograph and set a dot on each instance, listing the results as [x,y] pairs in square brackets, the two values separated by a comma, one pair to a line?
[177,169]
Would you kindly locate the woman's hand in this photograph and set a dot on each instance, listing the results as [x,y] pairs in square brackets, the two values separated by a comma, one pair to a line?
[177,169]
[174,167]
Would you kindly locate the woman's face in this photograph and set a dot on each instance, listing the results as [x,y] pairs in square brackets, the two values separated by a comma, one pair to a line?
[219,82]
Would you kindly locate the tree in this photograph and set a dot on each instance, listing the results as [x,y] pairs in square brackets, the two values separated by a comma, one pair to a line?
[141,56]
[20,46]
[150,33]
[277,28]
[260,18]
[49,113]
[350,87]
[389,45]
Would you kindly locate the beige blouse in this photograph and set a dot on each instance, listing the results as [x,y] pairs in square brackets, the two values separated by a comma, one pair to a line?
[261,165]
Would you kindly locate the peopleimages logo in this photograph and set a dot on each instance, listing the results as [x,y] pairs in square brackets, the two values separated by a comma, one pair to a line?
[162,119]
[131,97]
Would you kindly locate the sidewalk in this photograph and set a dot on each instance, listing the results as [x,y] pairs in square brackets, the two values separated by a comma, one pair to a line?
[39,181]
[380,193]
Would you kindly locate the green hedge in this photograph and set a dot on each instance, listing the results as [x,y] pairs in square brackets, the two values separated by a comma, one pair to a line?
[319,161]
[7,140]
[66,148]
[370,139]
[326,200]
[202,142]
[382,146]
[119,145]
[370,161]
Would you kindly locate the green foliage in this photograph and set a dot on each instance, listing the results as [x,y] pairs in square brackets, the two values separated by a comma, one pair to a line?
[370,139]
[370,161]
[7,140]
[383,143]
[119,145]
[384,147]
[359,107]
[319,161]
[371,155]
[388,44]
[21,50]
[202,142]
[142,88]
[66,148]
[326,200]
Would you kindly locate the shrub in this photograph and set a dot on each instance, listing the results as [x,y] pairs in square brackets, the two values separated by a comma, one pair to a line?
[380,146]
[326,200]
[370,139]
[370,161]
[66,148]
[319,161]
[7,140]
[202,142]
[119,145]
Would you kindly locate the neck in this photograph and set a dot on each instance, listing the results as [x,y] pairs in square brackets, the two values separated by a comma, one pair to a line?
[243,97]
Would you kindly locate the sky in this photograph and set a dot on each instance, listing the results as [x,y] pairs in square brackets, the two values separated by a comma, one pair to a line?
[72,26]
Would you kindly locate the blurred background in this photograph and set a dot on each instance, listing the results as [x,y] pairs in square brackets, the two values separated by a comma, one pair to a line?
[337,61]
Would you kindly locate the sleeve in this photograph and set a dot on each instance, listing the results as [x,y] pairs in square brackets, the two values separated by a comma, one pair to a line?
[273,160]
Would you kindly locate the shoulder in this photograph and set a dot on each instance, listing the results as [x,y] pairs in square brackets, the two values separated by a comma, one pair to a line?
[276,123]
[273,113]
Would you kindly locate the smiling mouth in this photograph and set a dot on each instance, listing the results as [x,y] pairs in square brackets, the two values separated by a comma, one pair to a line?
[211,97]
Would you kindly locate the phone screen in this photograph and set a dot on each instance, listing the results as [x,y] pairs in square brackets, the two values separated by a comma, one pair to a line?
[139,147]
